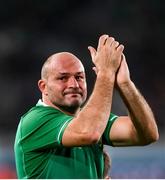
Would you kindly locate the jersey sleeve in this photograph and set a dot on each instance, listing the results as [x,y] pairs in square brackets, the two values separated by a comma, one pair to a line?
[105,138]
[43,129]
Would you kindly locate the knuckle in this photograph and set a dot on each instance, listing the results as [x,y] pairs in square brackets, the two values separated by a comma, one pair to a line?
[116,43]
[104,36]
[120,47]
[111,39]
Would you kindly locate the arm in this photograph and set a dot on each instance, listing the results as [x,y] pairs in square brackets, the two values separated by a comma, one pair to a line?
[89,124]
[139,128]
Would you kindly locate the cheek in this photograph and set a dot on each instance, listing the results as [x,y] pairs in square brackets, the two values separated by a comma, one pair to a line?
[84,88]
[56,90]
[85,93]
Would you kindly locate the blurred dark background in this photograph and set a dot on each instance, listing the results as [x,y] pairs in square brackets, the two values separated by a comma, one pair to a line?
[30,31]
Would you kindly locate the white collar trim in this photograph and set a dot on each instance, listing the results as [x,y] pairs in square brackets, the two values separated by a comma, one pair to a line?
[41,103]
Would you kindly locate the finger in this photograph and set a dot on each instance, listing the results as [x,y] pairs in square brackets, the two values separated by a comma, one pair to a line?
[102,41]
[95,69]
[109,41]
[92,51]
[120,48]
[123,57]
[115,44]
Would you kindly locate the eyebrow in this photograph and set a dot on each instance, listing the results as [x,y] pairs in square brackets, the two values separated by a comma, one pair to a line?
[77,73]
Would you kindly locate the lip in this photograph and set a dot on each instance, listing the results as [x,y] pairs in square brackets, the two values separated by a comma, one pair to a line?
[73,94]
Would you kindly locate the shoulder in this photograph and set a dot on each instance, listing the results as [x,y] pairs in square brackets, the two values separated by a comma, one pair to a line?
[41,116]
[40,112]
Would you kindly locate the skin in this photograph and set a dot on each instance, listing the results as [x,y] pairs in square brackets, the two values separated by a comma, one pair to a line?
[63,86]
[107,164]
[63,83]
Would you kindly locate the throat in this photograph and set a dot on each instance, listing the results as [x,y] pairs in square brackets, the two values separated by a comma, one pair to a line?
[70,110]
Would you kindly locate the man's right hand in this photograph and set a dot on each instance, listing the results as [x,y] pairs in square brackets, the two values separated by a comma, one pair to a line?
[107,58]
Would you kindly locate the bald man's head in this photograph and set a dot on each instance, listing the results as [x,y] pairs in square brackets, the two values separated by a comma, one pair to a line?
[63,82]
[55,60]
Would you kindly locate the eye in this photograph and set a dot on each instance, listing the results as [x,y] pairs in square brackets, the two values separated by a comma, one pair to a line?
[79,78]
[63,78]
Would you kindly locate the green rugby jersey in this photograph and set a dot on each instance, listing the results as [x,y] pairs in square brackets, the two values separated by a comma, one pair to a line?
[40,154]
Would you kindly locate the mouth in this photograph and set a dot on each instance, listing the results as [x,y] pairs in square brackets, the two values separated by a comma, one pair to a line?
[73,94]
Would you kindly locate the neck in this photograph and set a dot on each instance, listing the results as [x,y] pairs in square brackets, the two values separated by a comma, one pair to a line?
[72,111]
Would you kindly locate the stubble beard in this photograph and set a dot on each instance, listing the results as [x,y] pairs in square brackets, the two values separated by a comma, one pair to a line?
[71,108]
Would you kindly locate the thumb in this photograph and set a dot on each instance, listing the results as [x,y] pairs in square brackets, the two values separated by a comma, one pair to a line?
[123,57]
[95,70]
[92,51]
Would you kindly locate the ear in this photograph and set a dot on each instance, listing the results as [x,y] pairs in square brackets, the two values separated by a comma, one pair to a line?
[42,86]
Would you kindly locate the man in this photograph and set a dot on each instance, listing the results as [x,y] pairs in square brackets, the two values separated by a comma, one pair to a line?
[56,140]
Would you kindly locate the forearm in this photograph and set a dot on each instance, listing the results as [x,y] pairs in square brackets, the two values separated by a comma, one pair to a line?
[93,118]
[100,102]
[89,124]
[140,113]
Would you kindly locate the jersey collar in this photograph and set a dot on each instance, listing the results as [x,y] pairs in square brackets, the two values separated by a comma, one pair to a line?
[41,103]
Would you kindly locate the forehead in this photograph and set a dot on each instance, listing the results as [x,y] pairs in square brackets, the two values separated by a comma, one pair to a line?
[66,64]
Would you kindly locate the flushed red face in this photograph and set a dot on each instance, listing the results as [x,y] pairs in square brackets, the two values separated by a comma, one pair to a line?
[66,83]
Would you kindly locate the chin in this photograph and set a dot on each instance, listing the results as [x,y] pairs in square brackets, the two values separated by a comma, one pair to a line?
[74,104]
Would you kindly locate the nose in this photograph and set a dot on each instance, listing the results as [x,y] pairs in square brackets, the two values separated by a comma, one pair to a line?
[72,83]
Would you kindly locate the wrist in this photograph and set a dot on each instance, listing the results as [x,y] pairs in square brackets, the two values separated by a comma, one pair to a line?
[125,84]
[106,76]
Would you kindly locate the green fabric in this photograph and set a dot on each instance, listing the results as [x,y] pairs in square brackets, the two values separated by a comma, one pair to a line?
[40,154]
[105,137]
